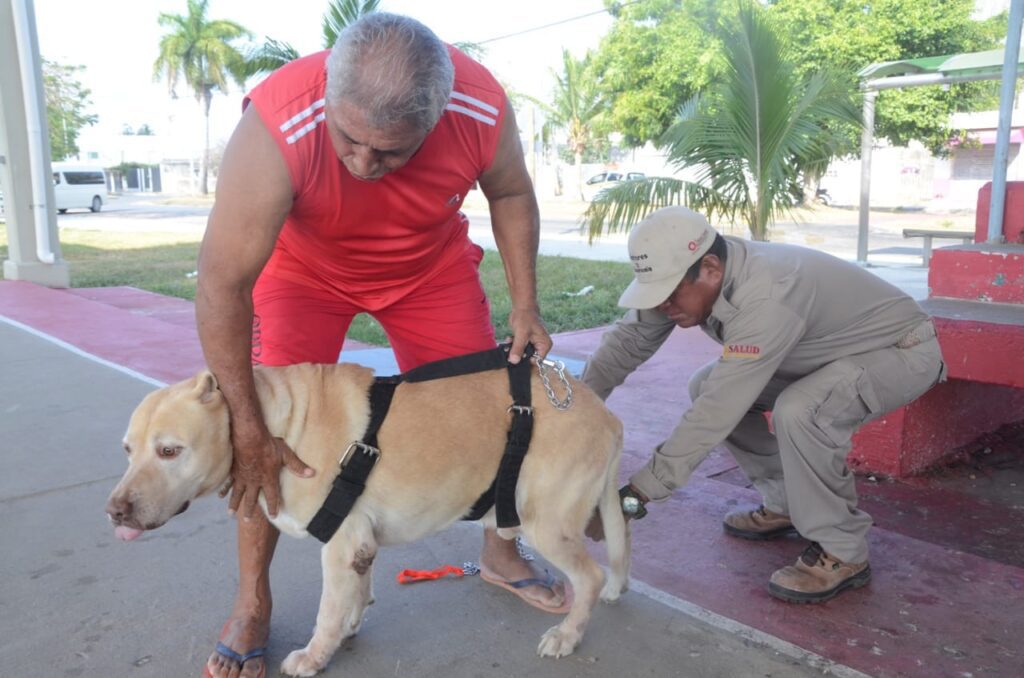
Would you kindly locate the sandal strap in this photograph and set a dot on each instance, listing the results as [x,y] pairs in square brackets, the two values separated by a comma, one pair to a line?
[548,581]
[226,651]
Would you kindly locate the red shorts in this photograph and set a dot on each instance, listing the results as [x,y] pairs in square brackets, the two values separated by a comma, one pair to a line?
[447,316]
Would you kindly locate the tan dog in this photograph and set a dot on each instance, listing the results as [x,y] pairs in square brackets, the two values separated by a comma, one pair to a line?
[440,448]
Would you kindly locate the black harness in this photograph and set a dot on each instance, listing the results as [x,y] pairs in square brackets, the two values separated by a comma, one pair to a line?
[361,455]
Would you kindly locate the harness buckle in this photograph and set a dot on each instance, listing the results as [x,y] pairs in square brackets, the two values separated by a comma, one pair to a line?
[360,446]
[520,409]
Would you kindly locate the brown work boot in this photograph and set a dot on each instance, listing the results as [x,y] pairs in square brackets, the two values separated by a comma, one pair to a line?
[817,577]
[759,523]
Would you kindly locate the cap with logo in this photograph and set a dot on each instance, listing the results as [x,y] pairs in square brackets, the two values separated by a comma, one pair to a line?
[662,247]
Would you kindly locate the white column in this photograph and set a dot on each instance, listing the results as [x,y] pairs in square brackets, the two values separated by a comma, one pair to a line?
[25,236]
[867,141]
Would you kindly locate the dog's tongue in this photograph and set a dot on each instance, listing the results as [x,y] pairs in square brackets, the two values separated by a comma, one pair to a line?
[125,533]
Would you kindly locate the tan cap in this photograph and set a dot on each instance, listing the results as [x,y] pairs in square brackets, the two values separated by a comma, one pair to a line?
[662,247]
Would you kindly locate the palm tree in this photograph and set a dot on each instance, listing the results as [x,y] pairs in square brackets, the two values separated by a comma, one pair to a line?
[577,104]
[199,50]
[749,139]
[340,13]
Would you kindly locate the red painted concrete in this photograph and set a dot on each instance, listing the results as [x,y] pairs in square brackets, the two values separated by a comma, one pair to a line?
[982,344]
[929,611]
[156,337]
[878,446]
[986,352]
[158,349]
[913,439]
[168,309]
[989,273]
[933,609]
[977,301]
[1013,212]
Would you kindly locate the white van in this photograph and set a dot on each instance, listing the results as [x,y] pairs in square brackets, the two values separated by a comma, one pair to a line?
[78,186]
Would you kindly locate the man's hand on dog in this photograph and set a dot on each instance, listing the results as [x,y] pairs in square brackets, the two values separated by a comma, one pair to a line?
[257,468]
[527,327]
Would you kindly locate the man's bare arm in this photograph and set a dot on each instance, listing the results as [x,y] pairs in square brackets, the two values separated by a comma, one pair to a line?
[515,220]
[254,196]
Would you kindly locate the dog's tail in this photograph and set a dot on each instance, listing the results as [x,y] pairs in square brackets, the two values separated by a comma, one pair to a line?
[616,532]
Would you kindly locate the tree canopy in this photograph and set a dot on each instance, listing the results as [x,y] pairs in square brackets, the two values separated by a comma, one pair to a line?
[66,104]
[850,35]
[749,137]
[659,53]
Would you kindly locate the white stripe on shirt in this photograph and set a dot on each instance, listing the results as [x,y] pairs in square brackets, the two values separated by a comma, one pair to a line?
[305,129]
[471,113]
[298,117]
[474,102]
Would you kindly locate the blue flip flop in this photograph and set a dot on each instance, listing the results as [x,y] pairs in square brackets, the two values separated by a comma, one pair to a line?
[226,651]
[548,582]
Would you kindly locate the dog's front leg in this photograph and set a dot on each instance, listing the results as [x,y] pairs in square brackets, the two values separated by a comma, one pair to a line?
[347,562]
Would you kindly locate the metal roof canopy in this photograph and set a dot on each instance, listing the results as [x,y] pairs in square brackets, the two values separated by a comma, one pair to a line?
[937,70]
[996,64]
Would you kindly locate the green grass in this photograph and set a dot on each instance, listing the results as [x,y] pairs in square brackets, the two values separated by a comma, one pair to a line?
[162,262]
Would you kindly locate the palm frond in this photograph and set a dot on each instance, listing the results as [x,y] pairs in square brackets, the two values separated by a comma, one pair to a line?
[341,14]
[268,57]
[620,207]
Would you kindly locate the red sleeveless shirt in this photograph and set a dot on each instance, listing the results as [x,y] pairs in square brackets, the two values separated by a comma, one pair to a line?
[373,242]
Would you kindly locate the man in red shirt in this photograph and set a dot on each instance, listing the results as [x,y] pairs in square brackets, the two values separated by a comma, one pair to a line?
[339,193]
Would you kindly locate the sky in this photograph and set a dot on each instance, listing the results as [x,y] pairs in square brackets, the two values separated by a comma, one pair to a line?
[117,41]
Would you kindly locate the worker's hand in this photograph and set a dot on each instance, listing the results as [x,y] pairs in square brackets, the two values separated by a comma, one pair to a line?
[257,468]
[527,327]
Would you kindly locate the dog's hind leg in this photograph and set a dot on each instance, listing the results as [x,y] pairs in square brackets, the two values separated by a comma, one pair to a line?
[569,555]
[347,562]
[617,538]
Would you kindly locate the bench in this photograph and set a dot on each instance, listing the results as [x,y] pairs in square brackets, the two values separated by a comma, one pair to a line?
[976,299]
[967,237]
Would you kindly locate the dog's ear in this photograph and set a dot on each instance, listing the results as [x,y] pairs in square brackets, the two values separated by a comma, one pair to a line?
[206,387]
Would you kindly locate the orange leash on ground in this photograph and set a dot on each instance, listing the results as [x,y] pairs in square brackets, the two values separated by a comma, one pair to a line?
[412,576]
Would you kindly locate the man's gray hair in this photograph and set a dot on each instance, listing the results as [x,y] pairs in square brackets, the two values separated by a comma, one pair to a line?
[393,68]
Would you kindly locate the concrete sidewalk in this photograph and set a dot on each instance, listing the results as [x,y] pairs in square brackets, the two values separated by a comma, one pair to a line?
[77,602]
[947,551]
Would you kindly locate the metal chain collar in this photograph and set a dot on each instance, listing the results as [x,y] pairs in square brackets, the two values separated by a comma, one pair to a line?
[559,367]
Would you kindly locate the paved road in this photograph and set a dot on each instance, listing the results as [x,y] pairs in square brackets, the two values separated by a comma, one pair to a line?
[831,230]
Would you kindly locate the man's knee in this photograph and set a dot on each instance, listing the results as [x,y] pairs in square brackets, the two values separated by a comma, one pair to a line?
[792,407]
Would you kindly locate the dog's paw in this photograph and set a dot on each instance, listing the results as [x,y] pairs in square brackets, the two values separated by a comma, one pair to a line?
[612,590]
[558,643]
[300,663]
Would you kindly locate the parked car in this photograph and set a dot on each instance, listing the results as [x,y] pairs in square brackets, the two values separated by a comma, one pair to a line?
[603,180]
[78,186]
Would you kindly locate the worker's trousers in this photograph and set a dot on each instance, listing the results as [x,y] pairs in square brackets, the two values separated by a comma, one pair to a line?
[801,469]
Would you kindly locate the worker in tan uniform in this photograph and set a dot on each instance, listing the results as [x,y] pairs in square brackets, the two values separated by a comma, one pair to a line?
[820,343]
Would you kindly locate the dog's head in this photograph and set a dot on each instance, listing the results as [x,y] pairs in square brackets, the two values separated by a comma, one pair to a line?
[179,448]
